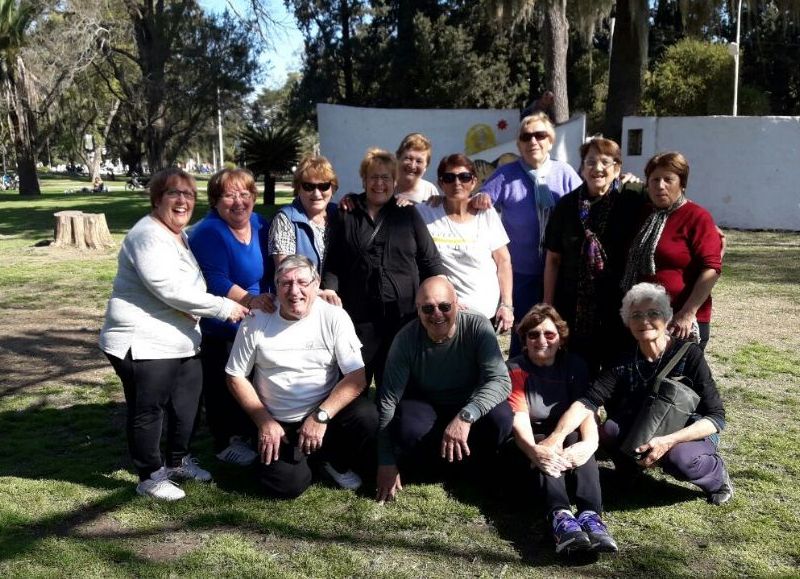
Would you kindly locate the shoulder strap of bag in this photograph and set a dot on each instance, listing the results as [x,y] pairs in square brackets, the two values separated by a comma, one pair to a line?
[670,365]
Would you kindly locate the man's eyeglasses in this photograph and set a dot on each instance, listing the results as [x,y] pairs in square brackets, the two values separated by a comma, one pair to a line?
[549,335]
[526,137]
[428,309]
[288,283]
[175,193]
[243,195]
[464,177]
[649,314]
[312,186]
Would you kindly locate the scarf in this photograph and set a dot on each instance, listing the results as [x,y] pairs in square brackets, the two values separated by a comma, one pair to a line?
[542,196]
[641,258]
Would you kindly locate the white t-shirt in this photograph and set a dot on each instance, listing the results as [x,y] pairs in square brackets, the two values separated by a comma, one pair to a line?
[466,250]
[421,193]
[296,362]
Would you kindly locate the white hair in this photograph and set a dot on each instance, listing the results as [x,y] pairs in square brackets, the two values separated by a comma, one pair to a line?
[645,292]
[297,261]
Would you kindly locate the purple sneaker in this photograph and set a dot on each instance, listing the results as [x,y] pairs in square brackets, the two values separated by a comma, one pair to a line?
[595,528]
[568,535]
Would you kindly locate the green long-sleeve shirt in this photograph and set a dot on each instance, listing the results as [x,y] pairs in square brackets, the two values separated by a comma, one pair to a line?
[467,371]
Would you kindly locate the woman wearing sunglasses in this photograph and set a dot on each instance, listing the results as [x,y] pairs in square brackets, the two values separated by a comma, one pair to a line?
[545,380]
[379,253]
[525,192]
[473,244]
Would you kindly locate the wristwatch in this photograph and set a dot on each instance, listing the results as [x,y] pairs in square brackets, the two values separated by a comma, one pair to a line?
[467,416]
[321,415]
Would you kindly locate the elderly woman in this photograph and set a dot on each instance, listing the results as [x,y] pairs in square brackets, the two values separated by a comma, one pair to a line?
[679,247]
[302,227]
[545,380]
[230,244]
[473,244]
[151,335]
[526,192]
[587,241]
[690,453]
[379,253]
[414,156]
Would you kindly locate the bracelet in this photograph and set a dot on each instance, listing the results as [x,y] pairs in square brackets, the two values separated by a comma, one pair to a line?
[508,307]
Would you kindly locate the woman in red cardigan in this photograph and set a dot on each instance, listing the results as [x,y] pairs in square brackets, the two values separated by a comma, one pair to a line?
[678,247]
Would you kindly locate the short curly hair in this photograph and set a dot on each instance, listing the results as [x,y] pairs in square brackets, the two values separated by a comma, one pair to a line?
[161,181]
[318,166]
[538,314]
[645,292]
[416,142]
[219,180]
[376,155]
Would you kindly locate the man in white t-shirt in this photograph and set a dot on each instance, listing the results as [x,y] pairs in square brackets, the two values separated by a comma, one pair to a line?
[297,399]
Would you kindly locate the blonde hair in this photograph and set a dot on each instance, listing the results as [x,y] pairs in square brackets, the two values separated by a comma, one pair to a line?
[319,166]
[376,155]
[416,142]
[538,117]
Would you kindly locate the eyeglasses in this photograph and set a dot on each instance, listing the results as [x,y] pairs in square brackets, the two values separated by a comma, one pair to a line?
[538,135]
[312,186]
[175,193]
[287,284]
[444,307]
[649,314]
[549,335]
[591,163]
[377,178]
[464,177]
[243,195]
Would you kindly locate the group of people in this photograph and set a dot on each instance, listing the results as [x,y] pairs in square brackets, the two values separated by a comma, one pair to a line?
[280,328]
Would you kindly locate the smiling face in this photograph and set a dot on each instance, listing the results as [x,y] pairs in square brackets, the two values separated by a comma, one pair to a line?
[664,187]
[599,172]
[379,184]
[174,208]
[297,290]
[434,295]
[647,322]
[542,343]
[412,165]
[235,205]
[535,150]
[314,202]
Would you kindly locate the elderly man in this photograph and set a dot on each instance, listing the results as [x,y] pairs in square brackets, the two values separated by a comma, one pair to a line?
[297,399]
[445,389]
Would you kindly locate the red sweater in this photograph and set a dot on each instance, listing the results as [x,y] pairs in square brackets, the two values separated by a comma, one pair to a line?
[689,244]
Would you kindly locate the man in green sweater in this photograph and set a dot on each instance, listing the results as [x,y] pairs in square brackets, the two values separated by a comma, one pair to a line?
[445,389]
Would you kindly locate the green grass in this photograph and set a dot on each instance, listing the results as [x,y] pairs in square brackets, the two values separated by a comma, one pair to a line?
[67,500]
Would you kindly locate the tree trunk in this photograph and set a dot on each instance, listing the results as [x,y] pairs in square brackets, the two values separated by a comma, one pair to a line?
[347,51]
[556,42]
[101,142]
[22,126]
[628,62]
[81,230]
[269,189]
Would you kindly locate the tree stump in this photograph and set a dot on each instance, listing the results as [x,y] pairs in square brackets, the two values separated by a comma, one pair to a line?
[82,230]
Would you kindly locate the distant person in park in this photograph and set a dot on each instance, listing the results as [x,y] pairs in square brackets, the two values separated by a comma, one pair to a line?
[413,157]
[304,397]
[444,393]
[587,241]
[473,244]
[545,380]
[151,335]
[378,254]
[231,246]
[544,104]
[678,246]
[98,186]
[689,454]
[303,226]
[525,192]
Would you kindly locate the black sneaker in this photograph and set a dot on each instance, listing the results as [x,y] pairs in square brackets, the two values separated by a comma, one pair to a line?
[724,493]
[568,534]
[595,528]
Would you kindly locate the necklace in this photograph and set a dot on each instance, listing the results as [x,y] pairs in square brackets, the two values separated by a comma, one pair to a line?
[657,362]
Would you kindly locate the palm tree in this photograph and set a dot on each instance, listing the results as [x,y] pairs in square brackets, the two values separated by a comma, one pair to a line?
[269,151]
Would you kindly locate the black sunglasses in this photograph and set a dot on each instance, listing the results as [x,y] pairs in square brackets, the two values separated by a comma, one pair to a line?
[444,307]
[538,135]
[311,186]
[464,177]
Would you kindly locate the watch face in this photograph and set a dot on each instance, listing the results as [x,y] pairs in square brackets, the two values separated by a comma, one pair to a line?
[466,416]
[322,416]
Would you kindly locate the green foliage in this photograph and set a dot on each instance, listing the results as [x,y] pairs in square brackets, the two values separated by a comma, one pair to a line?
[269,150]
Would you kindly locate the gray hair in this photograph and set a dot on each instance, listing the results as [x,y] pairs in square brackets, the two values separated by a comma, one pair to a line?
[645,292]
[296,261]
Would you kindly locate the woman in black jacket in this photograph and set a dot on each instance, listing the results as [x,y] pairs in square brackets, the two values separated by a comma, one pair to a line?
[377,257]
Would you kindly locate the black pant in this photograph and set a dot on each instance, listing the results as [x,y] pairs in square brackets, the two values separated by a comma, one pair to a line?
[349,443]
[586,478]
[224,416]
[376,337]
[153,388]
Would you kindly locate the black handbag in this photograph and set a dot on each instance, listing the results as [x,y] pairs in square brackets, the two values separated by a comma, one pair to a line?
[667,408]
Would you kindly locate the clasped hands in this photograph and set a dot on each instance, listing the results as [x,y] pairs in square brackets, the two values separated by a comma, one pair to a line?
[271,435]
[552,459]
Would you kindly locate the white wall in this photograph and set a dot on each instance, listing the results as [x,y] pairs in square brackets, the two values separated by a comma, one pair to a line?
[744,170]
[346,133]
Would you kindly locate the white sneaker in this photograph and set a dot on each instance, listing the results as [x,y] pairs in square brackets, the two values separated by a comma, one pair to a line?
[238,452]
[189,470]
[160,487]
[346,480]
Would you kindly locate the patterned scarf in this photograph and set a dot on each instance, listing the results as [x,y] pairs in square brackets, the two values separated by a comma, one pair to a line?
[593,255]
[642,255]
[543,197]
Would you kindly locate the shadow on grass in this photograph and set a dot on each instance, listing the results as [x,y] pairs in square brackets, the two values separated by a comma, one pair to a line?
[768,267]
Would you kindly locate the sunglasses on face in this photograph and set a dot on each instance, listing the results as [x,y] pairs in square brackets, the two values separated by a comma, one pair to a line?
[464,177]
[649,314]
[549,335]
[444,307]
[526,137]
[312,186]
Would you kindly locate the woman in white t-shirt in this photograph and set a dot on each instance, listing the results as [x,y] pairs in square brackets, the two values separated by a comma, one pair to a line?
[473,244]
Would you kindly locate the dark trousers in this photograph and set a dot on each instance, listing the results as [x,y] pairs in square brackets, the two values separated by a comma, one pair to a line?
[155,389]
[526,293]
[349,443]
[585,478]
[224,416]
[705,333]
[418,426]
[376,337]
[697,462]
